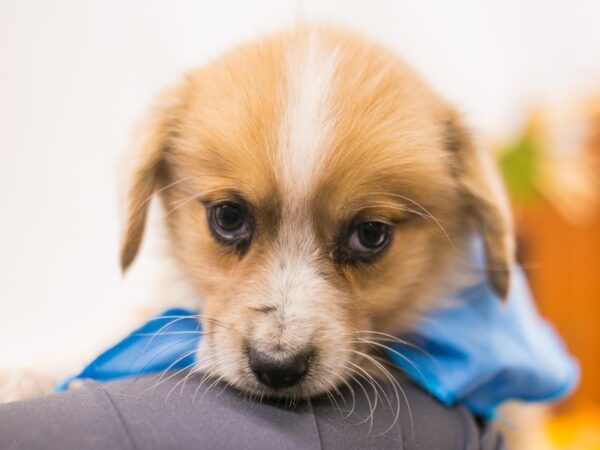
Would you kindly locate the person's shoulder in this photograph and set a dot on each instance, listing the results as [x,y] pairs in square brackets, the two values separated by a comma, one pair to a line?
[188,410]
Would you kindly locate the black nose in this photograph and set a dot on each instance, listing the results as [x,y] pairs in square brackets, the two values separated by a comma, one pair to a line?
[278,373]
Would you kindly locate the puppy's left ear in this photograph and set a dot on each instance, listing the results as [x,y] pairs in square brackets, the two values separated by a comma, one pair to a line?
[486,202]
[144,176]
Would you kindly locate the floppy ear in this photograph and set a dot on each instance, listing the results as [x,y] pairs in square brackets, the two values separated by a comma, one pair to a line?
[144,175]
[487,203]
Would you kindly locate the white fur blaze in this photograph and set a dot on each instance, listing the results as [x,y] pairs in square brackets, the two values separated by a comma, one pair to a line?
[307,123]
[292,282]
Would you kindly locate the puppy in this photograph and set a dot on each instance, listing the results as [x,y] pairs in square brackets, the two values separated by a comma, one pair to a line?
[318,194]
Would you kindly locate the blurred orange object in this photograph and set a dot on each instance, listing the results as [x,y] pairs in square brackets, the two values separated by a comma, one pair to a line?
[553,176]
[578,430]
[561,244]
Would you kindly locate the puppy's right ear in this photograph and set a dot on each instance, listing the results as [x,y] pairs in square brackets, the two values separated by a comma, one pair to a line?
[154,139]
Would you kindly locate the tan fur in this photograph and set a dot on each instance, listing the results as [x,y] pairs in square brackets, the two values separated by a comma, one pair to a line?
[309,154]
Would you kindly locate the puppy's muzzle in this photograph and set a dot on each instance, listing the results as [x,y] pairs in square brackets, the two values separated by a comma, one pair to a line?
[279,373]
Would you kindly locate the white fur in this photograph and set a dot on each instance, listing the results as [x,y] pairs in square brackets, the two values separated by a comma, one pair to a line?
[307,123]
[292,280]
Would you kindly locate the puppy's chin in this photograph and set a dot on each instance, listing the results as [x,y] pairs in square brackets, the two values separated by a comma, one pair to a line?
[304,390]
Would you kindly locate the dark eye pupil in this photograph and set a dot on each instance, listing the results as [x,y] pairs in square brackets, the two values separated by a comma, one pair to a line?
[372,234]
[229,217]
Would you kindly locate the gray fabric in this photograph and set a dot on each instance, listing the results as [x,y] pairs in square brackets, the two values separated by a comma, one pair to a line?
[148,413]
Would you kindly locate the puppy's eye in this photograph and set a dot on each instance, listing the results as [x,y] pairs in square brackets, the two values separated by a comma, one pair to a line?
[229,218]
[369,237]
[229,222]
[363,242]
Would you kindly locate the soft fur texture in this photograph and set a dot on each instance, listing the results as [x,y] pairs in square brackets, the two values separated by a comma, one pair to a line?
[314,129]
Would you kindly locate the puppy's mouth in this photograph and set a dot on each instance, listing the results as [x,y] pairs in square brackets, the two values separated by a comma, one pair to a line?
[287,375]
[298,361]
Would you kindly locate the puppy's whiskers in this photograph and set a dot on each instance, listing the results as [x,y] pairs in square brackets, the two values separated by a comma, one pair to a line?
[179,203]
[364,375]
[426,213]
[393,206]
[397,389]
[167,187]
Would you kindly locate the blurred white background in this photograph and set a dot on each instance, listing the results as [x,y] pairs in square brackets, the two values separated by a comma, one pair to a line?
[75,76]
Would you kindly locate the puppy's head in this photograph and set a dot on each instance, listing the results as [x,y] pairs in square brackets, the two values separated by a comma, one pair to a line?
[315,190]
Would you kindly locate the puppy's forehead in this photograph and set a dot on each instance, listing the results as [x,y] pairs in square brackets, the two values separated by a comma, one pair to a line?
[307,122]
[310,112]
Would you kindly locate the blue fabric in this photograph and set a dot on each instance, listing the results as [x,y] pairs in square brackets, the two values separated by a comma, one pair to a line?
[481,352]
[166,342]
[477,351]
